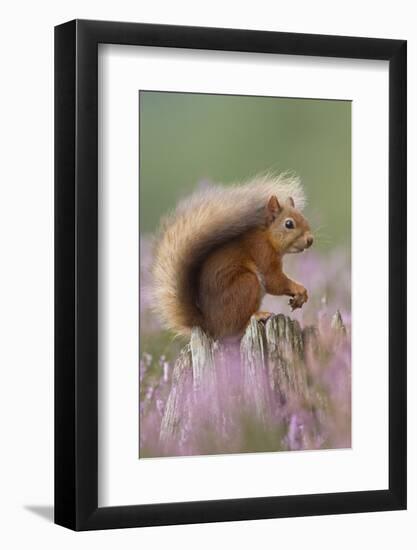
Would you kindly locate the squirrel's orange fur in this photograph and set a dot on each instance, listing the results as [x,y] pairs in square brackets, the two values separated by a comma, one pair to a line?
[222,250]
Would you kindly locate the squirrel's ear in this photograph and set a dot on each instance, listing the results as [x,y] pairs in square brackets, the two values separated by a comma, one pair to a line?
[273,209]
[290,202]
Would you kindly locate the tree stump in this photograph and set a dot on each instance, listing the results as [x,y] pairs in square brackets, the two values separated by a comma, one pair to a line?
[273,359]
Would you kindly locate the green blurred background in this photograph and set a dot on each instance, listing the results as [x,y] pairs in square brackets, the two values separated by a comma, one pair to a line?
[189,138]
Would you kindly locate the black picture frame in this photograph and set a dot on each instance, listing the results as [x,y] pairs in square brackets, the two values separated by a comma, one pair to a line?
[76,272]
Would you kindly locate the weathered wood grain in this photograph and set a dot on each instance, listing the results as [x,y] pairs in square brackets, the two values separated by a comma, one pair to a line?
[253,354]
[175,419]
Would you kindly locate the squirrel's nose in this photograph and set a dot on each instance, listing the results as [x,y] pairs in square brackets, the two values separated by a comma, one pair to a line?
[309,241]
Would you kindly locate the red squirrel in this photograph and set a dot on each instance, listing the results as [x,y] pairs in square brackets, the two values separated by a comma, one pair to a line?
[222,250]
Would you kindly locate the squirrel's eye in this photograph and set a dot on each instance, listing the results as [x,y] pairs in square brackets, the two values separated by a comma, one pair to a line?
[289,224]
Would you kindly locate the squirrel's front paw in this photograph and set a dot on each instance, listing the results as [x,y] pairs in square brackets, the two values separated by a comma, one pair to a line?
[298,299]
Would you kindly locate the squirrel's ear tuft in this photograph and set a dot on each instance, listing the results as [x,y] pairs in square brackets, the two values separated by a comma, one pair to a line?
[290,202]
[273,209]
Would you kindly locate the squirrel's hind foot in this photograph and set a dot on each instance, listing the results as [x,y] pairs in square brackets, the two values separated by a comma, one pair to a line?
[262,315]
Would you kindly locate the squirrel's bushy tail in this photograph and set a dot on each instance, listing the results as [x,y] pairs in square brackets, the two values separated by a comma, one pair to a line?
[208,218]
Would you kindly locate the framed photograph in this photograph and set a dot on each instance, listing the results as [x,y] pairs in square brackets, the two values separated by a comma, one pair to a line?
[230,255]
